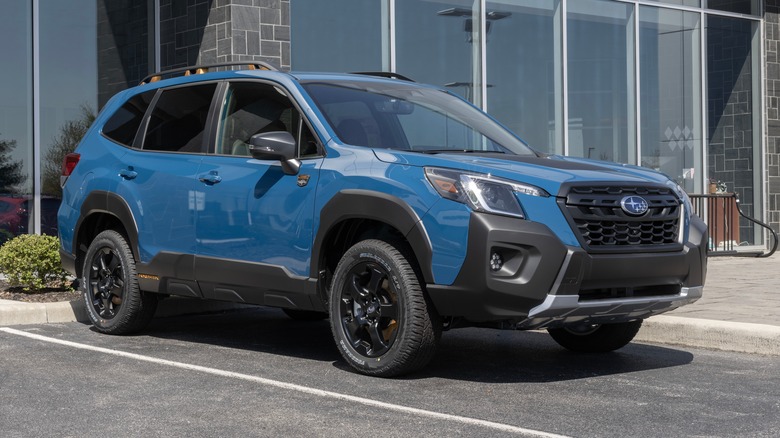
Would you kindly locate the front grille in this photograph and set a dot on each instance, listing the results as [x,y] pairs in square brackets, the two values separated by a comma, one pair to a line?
[602,225]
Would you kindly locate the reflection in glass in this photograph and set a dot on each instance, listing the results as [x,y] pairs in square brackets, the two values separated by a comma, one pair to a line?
[68,90]
[524,71]
[16,145]
[749,7]
[670,90]
[732,134]
[601,80]
[339,35]
[691,3]
[439,43]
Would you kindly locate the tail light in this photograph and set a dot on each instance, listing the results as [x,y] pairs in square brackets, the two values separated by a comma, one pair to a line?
[68,164]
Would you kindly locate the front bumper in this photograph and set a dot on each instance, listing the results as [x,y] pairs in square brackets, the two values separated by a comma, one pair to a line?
[544,283]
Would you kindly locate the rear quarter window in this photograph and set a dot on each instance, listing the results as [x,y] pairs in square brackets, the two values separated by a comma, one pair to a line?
[123,125]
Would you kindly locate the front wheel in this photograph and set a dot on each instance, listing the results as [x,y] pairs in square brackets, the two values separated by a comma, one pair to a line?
[381,320]
[596,338]
[114,302]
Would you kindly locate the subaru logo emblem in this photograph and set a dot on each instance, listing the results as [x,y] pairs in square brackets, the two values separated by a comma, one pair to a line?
[634,205]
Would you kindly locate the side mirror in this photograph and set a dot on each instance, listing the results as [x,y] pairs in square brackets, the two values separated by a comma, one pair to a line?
[277,145]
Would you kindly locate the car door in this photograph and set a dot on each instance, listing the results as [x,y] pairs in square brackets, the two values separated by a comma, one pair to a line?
[254,221]
[161,180]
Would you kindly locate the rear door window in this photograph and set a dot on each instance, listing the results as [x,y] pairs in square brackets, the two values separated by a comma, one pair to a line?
[178,120]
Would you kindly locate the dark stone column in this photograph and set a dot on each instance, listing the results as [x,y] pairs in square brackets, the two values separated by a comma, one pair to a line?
[731,147]
[211,31]
[772,90]
[125,49]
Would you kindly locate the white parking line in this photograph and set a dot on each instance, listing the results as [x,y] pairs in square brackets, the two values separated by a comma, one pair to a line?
[293,387]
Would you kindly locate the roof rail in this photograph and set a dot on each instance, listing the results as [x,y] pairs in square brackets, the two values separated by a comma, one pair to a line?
[384,74]
[200,69]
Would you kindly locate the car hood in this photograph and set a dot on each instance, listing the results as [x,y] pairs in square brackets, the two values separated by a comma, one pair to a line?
[547,172]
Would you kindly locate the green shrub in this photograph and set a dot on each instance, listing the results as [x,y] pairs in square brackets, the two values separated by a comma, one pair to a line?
[32,261]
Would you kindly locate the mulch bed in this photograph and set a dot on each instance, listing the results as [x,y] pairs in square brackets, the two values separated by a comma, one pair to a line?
[48,295]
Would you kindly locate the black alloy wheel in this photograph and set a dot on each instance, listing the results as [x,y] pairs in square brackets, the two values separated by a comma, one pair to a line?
[106,282]
[382,321]
[369,310]
[114,302]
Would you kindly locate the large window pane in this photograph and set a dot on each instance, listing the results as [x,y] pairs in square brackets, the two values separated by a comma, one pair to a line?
[68,66]
[438,43]
[670,58]
[750,7]
[601,80]
[339,35]
[15,118]
[524,70]
[732,121]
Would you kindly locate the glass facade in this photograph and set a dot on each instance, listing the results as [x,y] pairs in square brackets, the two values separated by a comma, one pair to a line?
[446,33]
[62,61]
[356,41]
[68,92]
[600,76]
[670,94]
[16,115]
[524,74]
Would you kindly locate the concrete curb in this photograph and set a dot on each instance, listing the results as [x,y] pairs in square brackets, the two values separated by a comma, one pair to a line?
[19,313]
[669,330]
[710,334]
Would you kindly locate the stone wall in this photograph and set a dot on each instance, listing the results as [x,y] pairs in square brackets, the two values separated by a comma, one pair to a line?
[772,76]
[213,31]
[125,50]
[730,145]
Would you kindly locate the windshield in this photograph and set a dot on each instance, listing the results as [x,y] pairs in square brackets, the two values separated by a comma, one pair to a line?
[403,116]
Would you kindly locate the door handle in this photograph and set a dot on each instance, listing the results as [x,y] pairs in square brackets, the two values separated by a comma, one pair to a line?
[128,173]
[211,178]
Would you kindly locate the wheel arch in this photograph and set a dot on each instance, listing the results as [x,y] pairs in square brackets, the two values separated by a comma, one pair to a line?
[102,211]
[357,214]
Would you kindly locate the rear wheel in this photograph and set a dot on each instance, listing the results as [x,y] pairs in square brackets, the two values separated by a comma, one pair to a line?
[114,302]
[381,320]
[596,338]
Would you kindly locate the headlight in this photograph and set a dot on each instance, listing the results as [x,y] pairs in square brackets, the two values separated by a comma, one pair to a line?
[481,192]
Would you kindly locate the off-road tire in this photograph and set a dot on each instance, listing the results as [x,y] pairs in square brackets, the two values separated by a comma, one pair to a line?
[109,285]
[382,321]
[596,338]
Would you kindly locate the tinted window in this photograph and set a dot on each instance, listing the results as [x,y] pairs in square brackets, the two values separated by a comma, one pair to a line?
[400,115]
[124,124]
[179,119]
[252,108]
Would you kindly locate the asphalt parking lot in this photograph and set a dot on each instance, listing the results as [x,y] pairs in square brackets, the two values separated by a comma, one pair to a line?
[257,373]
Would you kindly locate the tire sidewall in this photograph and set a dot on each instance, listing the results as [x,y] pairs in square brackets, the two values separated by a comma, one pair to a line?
[361,253]
[114,241]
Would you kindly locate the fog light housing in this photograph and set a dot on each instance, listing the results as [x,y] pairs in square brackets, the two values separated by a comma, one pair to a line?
[496,262]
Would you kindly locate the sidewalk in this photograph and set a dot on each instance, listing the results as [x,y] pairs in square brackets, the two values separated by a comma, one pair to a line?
[740,310]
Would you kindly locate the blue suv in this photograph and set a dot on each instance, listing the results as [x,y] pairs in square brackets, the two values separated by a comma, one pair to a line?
[395,209]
